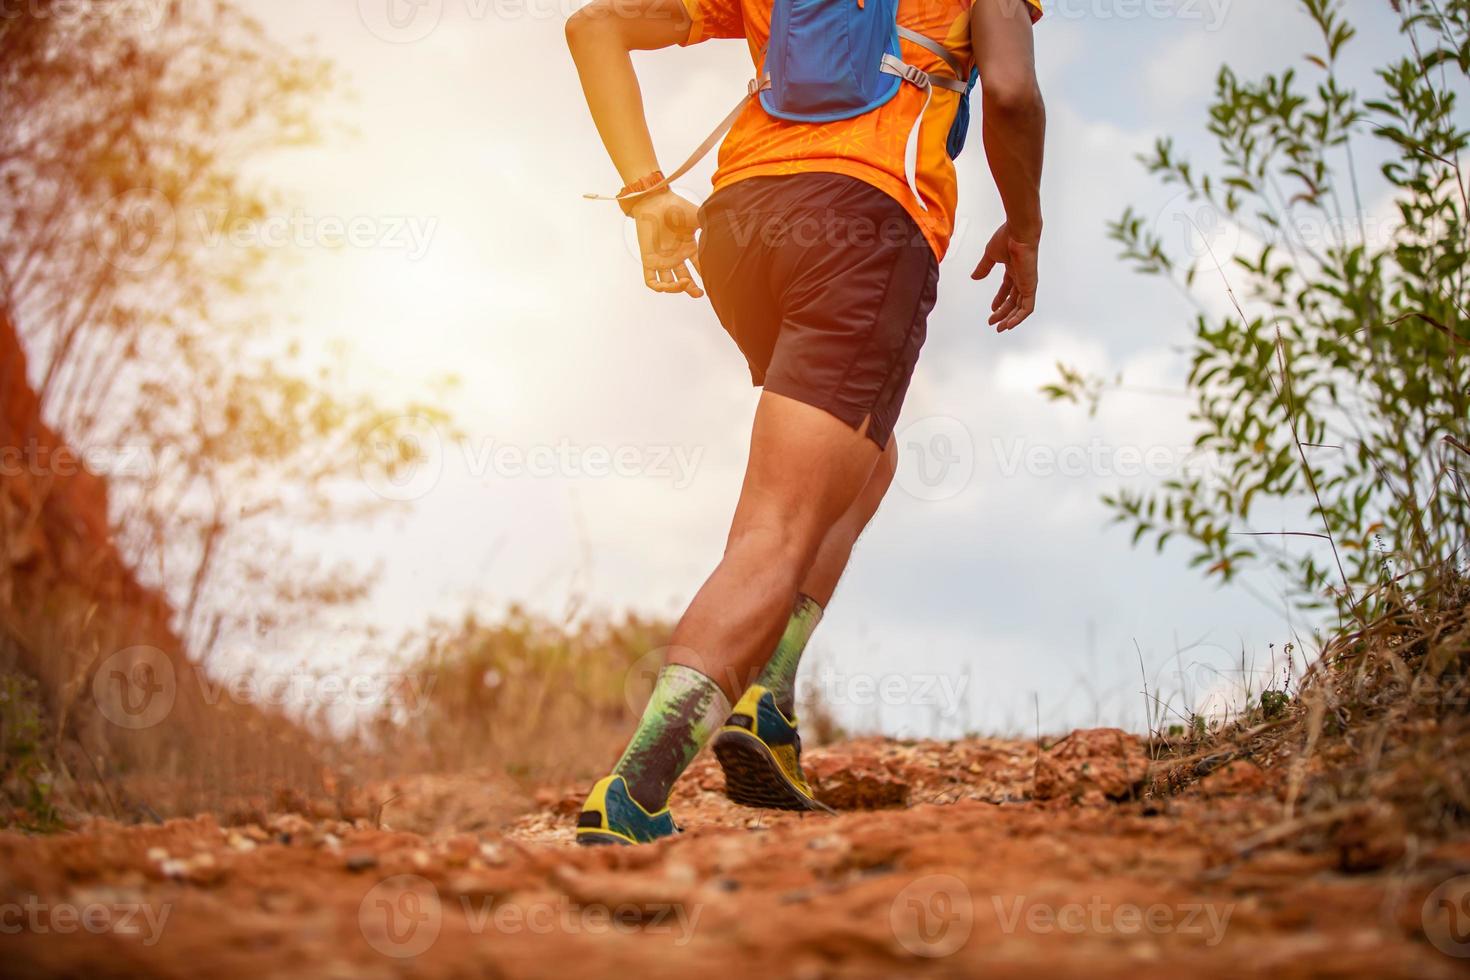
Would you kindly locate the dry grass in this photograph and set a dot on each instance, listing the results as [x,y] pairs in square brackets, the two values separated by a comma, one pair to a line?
[1376,736]
[535,699]
[60,624]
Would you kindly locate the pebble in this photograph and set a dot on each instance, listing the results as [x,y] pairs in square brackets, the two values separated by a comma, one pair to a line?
[361,861]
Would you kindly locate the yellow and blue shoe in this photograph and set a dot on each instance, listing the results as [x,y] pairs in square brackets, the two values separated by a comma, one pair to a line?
[760,751]
[612,816]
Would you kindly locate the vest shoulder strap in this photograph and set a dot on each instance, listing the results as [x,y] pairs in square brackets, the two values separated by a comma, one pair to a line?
[933,47]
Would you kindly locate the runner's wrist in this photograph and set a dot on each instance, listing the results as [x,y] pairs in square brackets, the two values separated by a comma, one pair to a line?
[1024,233]
[648,202]
[638,187]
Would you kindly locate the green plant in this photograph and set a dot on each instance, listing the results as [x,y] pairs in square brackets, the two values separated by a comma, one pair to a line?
[25,777]
[1337,387]
[1274,704]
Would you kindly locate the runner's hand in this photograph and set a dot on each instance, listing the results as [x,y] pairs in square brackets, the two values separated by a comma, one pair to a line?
[1016,299]
[667,225]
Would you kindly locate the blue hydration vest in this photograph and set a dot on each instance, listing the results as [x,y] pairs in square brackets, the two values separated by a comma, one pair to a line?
[829,60]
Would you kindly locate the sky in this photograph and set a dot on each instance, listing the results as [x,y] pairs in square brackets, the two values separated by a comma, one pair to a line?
[602,429]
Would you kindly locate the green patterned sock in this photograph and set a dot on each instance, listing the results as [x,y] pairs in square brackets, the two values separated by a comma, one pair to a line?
[779,675]
[684,711]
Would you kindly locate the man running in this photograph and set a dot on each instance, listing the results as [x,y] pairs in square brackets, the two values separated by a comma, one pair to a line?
[820,253]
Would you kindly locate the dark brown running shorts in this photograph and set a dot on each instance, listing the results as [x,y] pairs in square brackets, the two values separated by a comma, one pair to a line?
[826,285]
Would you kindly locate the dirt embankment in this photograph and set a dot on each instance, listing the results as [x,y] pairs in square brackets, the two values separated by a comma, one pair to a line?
[120,693]
[982,857]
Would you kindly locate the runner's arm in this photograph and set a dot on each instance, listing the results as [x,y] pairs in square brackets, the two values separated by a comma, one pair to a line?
[601,37]
[1014,121]
[1014,126]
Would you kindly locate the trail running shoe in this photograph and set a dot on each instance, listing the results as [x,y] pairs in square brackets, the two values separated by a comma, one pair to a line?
[612,816]
[760,751]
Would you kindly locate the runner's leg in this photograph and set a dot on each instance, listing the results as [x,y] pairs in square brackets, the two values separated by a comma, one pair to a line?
[836,551]
[806,470]
[779,674]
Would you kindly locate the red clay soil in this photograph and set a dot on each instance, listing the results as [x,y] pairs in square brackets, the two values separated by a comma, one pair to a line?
[979,859]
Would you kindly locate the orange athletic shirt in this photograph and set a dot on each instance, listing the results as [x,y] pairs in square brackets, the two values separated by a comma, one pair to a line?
[869,147]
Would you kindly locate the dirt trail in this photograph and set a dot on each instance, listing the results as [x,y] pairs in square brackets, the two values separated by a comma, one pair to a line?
[984,860]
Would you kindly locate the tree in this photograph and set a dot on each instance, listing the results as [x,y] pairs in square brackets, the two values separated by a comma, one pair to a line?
[121,152]
[1338,385]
